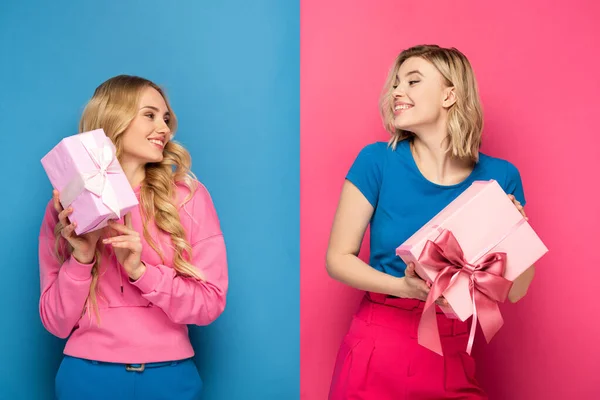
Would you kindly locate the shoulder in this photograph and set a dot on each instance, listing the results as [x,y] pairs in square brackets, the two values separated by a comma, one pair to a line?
[497,164]
[196,205]
[376,149]
[193,193]
[375,154]
[504,171]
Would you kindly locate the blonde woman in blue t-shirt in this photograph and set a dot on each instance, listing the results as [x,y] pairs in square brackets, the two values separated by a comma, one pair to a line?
[431,107]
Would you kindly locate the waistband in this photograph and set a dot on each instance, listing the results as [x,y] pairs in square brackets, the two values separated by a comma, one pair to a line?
[397,302]
[404,315]
[134,367]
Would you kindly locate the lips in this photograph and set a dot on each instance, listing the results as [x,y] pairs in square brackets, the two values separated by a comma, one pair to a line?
[401,107]
[157,142]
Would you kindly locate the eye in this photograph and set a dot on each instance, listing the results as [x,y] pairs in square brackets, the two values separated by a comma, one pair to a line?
[413,82]
[150,115]
[167,120]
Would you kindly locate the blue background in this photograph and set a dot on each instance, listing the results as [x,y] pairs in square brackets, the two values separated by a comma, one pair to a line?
[231,70]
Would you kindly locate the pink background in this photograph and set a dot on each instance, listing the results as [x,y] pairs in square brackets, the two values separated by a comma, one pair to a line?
[537,65]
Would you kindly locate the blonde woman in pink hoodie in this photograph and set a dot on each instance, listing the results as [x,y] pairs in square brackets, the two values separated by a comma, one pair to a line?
[124,295]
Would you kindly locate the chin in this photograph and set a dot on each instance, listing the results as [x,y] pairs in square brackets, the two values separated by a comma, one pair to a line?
[157,157]
[403,126]
[153,160]
[401,122]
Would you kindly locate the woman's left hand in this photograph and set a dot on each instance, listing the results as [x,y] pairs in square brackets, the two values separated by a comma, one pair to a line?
[518,205]
[127,247]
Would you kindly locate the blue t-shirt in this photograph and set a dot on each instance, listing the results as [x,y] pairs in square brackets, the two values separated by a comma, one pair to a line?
[404,200]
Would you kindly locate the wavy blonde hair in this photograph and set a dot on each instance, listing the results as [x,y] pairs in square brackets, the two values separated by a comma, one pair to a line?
[112,108]
[465,116]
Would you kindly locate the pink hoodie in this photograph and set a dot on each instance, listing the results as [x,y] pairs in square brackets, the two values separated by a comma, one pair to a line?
[146,321]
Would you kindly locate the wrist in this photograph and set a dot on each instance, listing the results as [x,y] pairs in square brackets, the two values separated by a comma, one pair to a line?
[138,272]
[399,288]
[83,258]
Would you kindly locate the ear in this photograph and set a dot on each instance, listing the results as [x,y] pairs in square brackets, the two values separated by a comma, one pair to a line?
[449,97]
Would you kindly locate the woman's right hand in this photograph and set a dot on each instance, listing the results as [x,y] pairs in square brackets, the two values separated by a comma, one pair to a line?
[416,288]
[84,246]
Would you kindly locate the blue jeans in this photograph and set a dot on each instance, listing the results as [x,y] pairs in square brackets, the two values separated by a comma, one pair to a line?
[84,379]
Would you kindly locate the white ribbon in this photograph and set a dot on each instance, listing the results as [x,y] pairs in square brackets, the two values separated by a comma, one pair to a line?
[95,181]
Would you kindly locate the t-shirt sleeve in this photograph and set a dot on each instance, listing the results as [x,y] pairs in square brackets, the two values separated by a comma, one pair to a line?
[366,172]
[514,185]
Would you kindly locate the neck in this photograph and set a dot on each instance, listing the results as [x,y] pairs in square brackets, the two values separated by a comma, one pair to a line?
[434,162]
[134,171]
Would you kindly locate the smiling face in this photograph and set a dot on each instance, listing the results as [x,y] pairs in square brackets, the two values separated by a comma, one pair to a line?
[420,96]
[147,135]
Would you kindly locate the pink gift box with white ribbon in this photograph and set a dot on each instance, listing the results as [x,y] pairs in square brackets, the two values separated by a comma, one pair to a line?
[85,171]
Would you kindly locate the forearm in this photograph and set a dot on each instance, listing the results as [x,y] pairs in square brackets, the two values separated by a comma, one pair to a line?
[188,300]
[352,271]
[64,296]
[184,300]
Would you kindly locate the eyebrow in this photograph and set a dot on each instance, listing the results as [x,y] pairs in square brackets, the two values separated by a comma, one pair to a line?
[156,109]
[415,71]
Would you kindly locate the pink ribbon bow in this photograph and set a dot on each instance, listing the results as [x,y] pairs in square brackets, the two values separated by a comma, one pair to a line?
[487,288]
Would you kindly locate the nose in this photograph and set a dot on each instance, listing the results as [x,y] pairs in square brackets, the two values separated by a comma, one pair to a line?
[163,127]
[398,92]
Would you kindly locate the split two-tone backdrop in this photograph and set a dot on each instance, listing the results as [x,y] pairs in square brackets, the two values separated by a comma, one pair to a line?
[275,98]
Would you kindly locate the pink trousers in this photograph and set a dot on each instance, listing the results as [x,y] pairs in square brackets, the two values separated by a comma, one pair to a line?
[380,359]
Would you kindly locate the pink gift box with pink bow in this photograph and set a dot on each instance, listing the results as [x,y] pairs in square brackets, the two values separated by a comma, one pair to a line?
[85,171]
[470,253]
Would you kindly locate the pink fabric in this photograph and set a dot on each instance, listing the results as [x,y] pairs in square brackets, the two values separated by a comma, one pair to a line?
[380,359]
[147,321]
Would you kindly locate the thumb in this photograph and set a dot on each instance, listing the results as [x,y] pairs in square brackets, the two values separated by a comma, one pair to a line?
[410,270]
[127,220]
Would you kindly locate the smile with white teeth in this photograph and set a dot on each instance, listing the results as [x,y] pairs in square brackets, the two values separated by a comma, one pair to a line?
[156,141]
[402,107]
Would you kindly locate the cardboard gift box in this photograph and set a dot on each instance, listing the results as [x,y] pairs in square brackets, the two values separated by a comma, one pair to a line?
[85,171]
[470,253]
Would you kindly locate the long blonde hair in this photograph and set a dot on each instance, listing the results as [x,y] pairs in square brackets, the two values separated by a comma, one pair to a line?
[113,107]
[465,116]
